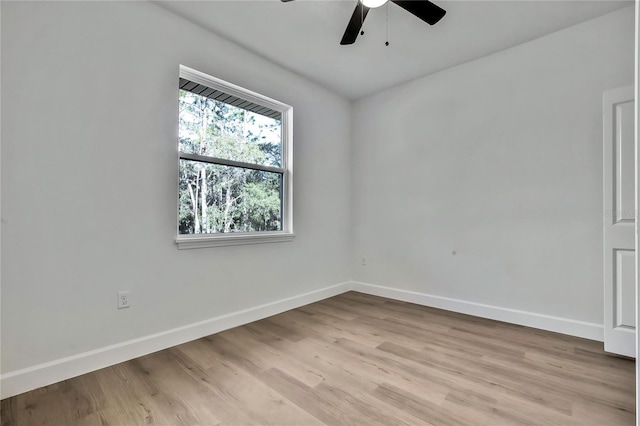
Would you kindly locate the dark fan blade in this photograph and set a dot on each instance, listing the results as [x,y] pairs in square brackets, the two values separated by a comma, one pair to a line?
[354,25]
[423,9]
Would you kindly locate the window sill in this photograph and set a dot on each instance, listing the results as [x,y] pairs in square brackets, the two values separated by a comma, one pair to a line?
[218,240]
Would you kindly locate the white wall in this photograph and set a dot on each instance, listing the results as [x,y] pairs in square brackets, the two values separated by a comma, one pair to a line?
[637,134]
[499,160]
[89,175]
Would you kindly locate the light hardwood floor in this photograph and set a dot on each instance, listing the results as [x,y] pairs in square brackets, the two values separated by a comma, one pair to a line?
[353,359]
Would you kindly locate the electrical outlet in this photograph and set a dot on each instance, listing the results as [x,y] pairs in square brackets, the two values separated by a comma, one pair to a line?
[123,299]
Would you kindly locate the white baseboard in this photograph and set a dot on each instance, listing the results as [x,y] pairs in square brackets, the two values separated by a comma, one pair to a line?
[571,327]
[17,382]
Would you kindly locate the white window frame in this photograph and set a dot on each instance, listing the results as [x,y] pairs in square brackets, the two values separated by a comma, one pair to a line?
[191,241]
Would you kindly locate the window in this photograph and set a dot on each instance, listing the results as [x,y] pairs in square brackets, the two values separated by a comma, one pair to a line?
[235,164]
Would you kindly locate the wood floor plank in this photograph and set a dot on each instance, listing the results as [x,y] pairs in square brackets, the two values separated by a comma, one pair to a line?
[361,380]
[366,373]
[316,326]
[9,411]
[456,379]
[321,355]
[491,376]
[233,390]
[322,405]
[419,407]
[268,355]
[353,359]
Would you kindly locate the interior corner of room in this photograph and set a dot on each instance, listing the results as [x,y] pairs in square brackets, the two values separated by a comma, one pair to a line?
[479,188]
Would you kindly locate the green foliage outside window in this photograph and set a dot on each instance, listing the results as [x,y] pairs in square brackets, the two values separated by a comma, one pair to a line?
[217,198]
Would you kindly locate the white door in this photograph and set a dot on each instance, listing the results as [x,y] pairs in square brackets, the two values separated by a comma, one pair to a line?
[619,222]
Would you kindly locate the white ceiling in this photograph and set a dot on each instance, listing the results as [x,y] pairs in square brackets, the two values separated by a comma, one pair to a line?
[304,35]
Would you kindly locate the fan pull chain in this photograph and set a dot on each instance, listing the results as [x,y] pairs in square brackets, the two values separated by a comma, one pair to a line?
[361,19]
[386,43]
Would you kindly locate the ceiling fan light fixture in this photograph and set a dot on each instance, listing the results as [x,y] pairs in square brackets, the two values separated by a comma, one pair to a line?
[373,3]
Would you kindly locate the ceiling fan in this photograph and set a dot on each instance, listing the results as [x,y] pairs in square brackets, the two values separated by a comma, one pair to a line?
[423,9]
